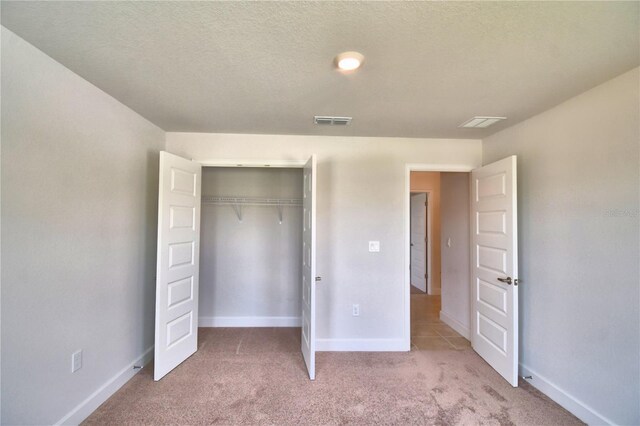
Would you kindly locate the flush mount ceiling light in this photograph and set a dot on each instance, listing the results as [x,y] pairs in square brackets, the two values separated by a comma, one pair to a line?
[481,122]
[349,61]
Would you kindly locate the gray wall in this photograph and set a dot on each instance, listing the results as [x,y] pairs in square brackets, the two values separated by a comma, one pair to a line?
[361,197]
[578,188]
[454,226]
[79,209]
[250,268]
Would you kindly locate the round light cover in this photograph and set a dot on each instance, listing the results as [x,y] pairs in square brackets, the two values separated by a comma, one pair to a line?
[349,61]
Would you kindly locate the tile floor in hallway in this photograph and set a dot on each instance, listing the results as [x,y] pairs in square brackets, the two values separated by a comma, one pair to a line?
[428,332]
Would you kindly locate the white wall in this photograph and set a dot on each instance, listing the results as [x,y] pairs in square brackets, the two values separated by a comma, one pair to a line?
[361,194]
[250,271]
[79,197]
[578,200]
[454,211]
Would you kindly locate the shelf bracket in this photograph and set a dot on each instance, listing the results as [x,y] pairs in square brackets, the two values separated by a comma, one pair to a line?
[280,213]
[238,209]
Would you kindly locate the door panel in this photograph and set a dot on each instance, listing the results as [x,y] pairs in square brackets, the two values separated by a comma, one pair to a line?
[309,267]
[494,248]
[418,241]
[176,336]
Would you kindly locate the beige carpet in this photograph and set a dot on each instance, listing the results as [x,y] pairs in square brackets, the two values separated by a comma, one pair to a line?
[257,376]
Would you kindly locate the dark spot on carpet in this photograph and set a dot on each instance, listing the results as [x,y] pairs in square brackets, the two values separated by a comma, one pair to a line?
[439,389]
[449,416]
[492,392]
[503,417]
[471,371]
[470,395]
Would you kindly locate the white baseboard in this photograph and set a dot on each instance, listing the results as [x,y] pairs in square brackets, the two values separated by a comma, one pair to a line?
[249,322]
[93,401]
[361,345]
[455,324]
[559,395]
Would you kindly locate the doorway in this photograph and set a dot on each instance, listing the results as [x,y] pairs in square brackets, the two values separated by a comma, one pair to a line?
[439,213]
[492,265]
[250,247]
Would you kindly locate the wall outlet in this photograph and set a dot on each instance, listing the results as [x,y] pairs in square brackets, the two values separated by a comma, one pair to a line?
[374,246]
[76,361]
[356,310]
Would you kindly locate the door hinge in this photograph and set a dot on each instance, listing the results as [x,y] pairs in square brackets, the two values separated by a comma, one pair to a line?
[426,276]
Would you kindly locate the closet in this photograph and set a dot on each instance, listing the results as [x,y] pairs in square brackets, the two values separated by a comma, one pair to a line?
[236,248]
[250,247]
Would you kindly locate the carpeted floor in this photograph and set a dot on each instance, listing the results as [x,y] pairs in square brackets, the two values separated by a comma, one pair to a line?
[257,376]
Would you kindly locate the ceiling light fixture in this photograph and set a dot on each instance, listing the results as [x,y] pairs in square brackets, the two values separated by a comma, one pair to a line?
[349,61]
[481,122]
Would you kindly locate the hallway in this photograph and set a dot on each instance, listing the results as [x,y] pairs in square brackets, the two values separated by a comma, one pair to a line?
[427,331]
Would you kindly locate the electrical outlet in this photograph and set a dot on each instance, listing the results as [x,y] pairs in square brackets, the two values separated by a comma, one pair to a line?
[374,246]
[76,361]
[356,310]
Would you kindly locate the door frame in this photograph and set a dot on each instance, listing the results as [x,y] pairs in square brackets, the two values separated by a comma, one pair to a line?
[252,163]
[406,288]
[428,232]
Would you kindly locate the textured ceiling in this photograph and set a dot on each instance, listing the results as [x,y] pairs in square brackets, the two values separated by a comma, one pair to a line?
[266,67]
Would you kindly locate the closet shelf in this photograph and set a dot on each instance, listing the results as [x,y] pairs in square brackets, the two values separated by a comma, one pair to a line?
[207,199]
[238,202]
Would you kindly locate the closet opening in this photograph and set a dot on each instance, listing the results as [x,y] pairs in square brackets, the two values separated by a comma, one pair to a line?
[251,259]
[236,268]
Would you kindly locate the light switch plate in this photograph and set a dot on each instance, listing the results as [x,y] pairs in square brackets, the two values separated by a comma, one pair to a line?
[76,361]
[374,246]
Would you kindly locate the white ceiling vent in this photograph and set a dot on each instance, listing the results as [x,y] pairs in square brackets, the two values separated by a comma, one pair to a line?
[331,121]
[481,122]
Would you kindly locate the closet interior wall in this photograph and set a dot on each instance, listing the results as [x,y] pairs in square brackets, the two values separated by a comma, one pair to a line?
[250,269]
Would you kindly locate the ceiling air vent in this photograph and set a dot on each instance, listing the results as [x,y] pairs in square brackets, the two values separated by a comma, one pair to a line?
[481,122]
[332,121]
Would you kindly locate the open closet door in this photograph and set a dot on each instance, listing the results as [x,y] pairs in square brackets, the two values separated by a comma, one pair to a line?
[309,267]
[494,266]
[178,262]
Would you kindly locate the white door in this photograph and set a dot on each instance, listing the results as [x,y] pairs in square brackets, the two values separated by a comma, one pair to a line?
[309,267]
[177,263]
[494,266]
[419,241]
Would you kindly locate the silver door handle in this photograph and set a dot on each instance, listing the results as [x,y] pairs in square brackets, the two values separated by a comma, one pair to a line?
[318,279]
[509,281]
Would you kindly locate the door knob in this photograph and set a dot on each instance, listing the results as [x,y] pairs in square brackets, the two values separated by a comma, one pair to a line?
[507,280]
[318,279]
